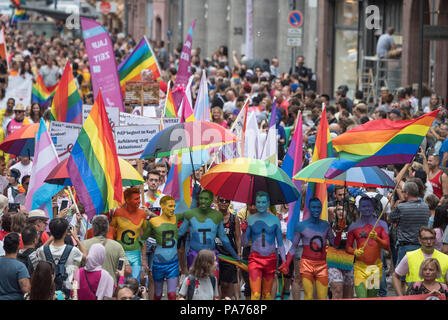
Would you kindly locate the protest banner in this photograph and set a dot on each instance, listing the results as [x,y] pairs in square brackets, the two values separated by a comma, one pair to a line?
[168,122]
[128,119]
[103,67]
[20,89]
[112,113]
[139,93]
[132,140]
[64,135]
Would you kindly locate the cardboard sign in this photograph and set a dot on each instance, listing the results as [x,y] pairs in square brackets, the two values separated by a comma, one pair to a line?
[127,119]
[132,140]
[112,113]
[64,135]
[134,90]
[168,122]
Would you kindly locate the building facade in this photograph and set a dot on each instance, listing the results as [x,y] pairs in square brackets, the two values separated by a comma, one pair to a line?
[338,36]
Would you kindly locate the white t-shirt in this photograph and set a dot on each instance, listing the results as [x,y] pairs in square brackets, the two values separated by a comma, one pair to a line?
[73,261]
[204,290]
[24,170]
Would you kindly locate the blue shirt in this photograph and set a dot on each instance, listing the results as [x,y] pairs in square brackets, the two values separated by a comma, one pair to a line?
[11,271]
[443,148]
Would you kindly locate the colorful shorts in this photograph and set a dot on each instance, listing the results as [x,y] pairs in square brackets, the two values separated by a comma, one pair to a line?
[161,271]
[339,275]
[369,275]
[315,269]
[262,266]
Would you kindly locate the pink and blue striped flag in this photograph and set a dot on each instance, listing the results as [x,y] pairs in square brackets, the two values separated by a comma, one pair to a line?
[292,163]
[45,159]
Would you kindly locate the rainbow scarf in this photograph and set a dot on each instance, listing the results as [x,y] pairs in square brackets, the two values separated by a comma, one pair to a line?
[93,164]
[380,142]
[152,199]
[67,103]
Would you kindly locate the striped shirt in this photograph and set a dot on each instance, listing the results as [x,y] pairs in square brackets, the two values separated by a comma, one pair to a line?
[411,215]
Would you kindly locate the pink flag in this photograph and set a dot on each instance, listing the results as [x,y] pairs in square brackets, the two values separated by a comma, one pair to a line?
[183,71]
[103,67]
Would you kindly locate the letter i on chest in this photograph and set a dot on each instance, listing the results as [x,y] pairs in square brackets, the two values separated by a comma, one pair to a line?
[263,238]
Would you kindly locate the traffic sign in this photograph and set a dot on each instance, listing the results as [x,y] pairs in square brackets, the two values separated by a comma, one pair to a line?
[295,19]
[294,38]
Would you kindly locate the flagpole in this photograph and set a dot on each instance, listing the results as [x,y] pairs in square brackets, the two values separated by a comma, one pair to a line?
[388,200]
[76,207]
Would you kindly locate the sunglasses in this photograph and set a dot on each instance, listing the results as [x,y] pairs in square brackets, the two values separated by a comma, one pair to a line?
[224,200]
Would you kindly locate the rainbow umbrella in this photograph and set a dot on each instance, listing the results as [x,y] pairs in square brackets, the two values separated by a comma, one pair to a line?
[59,175]
[187,137]
[240,179]
[355,176]
[21,142]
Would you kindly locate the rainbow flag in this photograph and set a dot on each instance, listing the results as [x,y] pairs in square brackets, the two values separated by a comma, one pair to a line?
[93,165]
[67,102]
[292,164]
[142,57]
[19,15]
[41,94]
[242,265]
[380,142]
[170,108]
[322,149]
[339,258]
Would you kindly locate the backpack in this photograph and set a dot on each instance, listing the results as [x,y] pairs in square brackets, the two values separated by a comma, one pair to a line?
[24,257]
[60,272]
[191,285]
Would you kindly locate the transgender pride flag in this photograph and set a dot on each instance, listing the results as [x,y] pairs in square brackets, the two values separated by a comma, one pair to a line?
[45,159]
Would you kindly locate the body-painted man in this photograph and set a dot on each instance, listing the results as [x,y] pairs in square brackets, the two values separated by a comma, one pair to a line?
[262,230]
[368,265]
[130,223]
[314,234]
[165,264]
[205,224]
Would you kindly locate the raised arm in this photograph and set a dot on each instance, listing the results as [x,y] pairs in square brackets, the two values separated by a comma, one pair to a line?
[225,240]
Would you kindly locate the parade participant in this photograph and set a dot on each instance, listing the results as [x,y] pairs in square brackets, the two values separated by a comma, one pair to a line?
[205,224]
[114,250]
[18,121]
[130,222]
[410,264]
[14,276]
[340,275]
[200,284]
[368,264]
[165,232]
[39,219]
[228,272]
[243,214]
[436,176]
[263,229]
[314,234]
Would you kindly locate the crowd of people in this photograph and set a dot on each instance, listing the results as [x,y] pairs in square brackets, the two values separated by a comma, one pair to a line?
[131,251]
